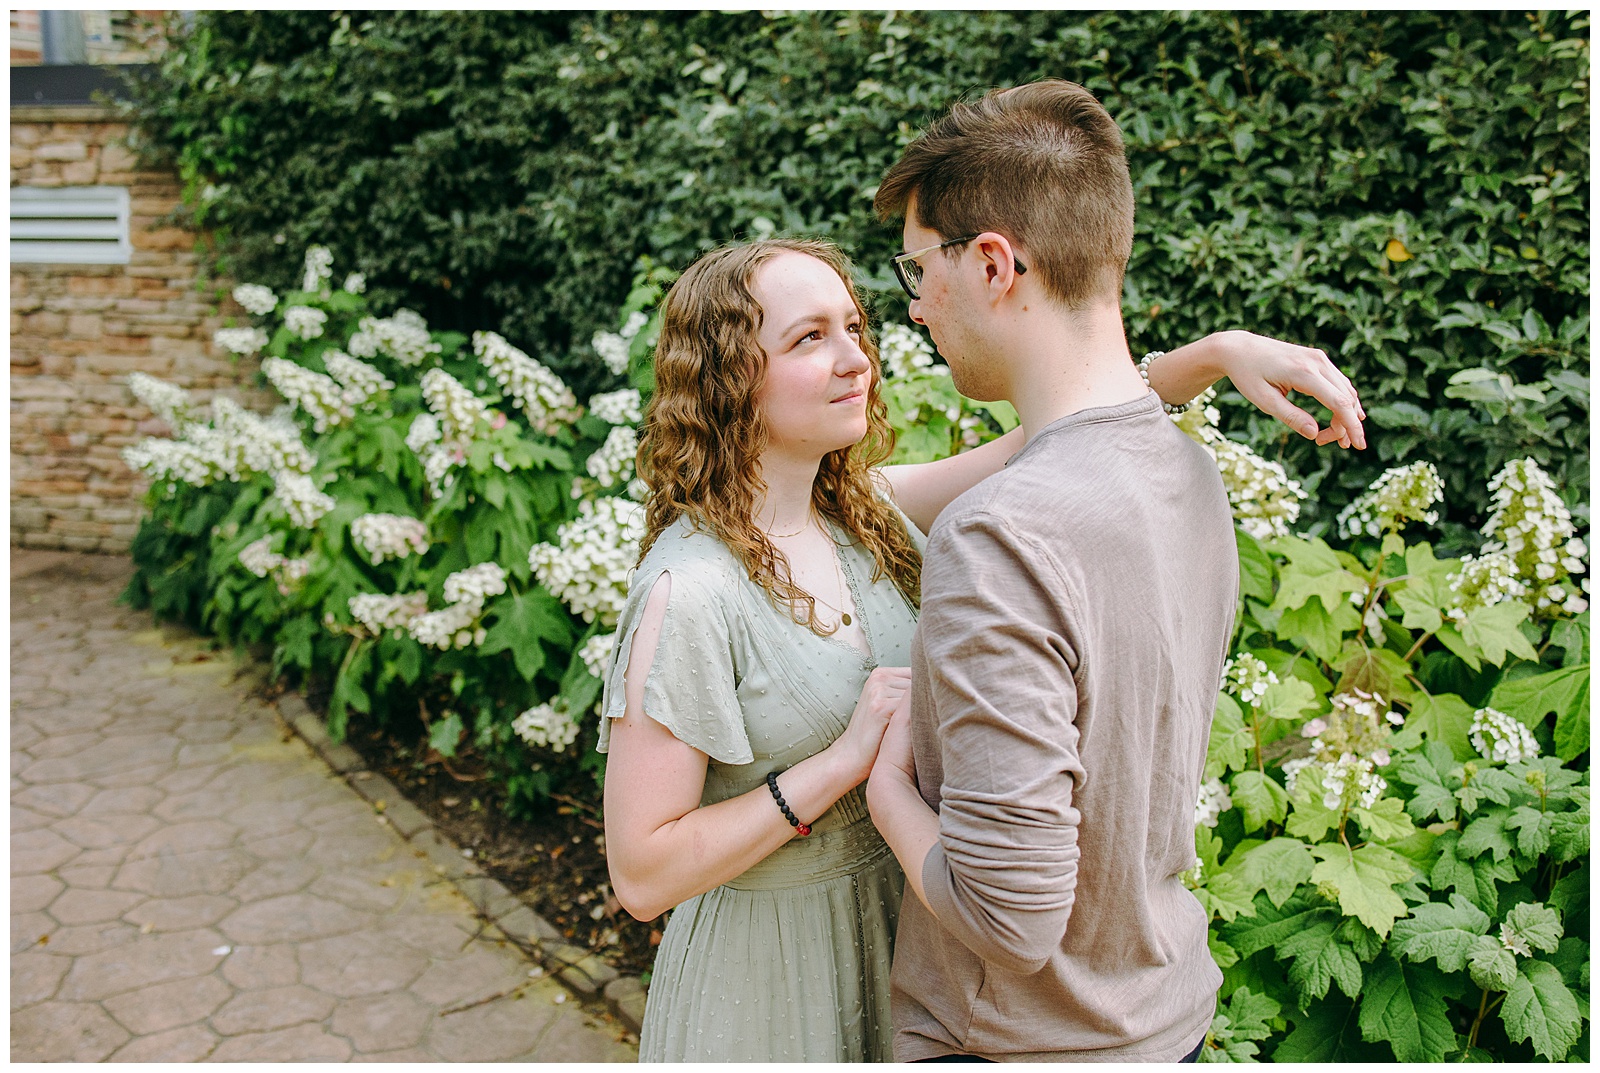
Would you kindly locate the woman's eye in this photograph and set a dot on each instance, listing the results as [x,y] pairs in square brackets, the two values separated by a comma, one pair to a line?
[817,334]
[856,328]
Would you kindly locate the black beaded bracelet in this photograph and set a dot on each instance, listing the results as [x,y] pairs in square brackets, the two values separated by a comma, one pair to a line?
[794,821]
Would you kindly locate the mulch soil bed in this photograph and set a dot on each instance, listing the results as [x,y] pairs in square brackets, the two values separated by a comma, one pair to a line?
[556,861]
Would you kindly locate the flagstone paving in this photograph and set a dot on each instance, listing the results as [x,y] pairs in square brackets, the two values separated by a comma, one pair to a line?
[190,881]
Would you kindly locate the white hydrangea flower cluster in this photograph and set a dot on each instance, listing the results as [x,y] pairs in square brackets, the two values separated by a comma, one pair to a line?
[389,536]
[359,380]
[455,626]
[547,401]
[173,461]
[1501,738]
[379,613]
[1402,494]
[1483,581]
[1214,801]
[618,407]
[259,558]
[546,725]
[970,425]
[318,268]
[356,283]
[255,298]
[167,401]
[596,653]
[240,340]
[1347,747]
[300,498]
[423,433]
[451,627]
[316,394]
[249,443]
[474,585]
[305,321]
[236,445]
[637,490]
[459,411]
[404,337]
[588,567]
[613,346]
[1531,524]
[613,462]
[903,350]
[1247,677]
[1264,499]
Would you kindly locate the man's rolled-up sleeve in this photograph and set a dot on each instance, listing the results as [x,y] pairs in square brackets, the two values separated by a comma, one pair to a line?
[996,634]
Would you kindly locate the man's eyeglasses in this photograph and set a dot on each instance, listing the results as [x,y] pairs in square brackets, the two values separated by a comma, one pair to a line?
[909,272]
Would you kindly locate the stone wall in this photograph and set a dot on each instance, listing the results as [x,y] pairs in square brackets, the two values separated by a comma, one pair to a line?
[78,330]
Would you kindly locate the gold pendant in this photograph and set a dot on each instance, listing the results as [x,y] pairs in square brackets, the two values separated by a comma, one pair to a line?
[845,618]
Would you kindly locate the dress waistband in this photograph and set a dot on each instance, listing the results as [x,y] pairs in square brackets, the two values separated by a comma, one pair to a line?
[822,855]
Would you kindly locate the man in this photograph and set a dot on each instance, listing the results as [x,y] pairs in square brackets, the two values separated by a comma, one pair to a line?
[1076,614]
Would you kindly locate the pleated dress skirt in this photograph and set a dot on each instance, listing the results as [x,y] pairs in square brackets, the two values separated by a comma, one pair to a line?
[787,963]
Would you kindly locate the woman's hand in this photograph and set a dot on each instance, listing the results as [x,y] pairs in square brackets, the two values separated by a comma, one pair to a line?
[885,690]
[1264,371]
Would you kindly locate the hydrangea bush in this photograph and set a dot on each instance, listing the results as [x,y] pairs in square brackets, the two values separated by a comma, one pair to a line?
[1392,829]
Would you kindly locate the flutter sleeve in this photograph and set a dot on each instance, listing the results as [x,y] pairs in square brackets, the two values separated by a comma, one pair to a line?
[692,686]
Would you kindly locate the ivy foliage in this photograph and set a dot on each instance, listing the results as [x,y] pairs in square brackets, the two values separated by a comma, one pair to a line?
[1404,189]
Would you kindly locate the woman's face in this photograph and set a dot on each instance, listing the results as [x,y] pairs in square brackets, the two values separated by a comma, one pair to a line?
[814,397]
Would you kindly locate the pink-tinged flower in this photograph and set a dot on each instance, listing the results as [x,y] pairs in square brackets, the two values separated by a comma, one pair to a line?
[498,421]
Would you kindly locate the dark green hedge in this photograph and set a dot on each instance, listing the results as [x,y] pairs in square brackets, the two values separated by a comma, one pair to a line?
[1408,190]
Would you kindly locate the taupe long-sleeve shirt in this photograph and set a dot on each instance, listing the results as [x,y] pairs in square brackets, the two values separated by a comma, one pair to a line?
[1076,613]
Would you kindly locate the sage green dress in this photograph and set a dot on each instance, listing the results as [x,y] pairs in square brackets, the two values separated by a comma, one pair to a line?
[790,961]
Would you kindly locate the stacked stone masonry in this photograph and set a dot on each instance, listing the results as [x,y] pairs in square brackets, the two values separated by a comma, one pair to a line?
[77,331]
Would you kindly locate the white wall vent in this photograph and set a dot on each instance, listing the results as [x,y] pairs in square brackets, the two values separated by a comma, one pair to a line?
[70,225]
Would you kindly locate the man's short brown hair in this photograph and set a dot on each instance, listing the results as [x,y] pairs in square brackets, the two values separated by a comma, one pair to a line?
[1042,164]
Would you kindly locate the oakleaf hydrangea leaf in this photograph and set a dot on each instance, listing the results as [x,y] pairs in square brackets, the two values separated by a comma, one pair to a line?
[1537,926]
[1320,959]
[1312,570]
[1259,799]
[1404,1005]
[1569,834]
[1446,933]
[1385,821]
[1532,829]
[1364,879]
[1289,700]
[1277,867]
[1229,746]
[1540,1008]
[1493,631]
[1488,834]
[1444,718]
[1363,940]
[1490,784]
[1491,966]
[1426,772]
[1473,876]
[1272,924]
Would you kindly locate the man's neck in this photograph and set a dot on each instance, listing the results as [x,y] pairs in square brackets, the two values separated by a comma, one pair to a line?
[1064,362]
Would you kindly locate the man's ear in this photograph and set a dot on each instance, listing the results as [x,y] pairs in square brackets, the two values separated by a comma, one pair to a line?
[998,258]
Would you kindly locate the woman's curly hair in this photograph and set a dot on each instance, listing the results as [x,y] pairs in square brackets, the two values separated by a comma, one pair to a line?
[703,432]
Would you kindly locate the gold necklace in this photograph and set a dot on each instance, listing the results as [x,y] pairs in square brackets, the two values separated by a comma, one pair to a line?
[844,616]
[811,513]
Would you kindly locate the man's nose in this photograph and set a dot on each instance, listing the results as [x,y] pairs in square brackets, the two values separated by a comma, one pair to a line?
[914,310]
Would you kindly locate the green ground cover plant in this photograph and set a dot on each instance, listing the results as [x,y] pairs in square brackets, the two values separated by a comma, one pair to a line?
[1392,841]
[1405,189]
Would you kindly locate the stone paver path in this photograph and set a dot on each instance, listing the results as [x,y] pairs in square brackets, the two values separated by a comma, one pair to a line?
[189,881]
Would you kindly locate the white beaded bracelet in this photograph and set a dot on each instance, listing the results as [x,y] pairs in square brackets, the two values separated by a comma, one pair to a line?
[1144,373]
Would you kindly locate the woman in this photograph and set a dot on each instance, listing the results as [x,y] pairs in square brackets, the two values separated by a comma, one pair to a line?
[762,650]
